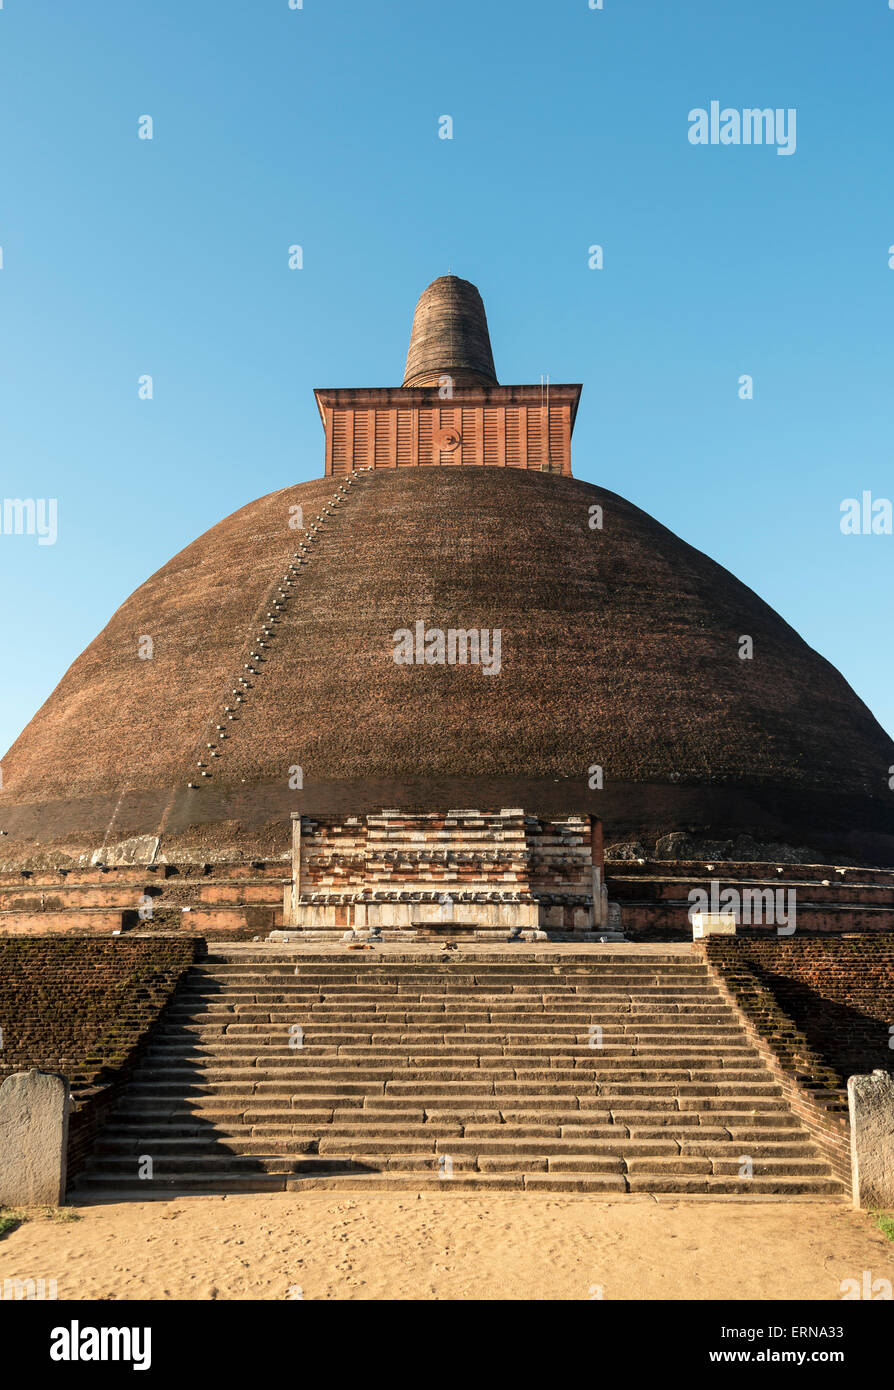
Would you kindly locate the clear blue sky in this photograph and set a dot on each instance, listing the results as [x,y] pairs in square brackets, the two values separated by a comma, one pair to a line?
[319,126]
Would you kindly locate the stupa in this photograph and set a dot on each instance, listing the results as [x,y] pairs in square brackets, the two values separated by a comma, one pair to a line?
[446,646]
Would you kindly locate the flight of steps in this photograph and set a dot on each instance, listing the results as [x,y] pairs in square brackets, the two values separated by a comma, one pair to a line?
[457,1073]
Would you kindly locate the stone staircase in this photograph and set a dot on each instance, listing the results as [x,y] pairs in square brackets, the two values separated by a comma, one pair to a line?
[597,1070]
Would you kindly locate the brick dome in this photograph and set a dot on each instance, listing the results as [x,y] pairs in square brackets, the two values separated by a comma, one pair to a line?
[620,648]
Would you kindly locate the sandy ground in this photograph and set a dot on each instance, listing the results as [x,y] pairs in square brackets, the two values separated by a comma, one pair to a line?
[464,1247]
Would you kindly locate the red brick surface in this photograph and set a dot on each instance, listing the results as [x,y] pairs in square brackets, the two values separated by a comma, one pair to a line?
[822,1010]
[85,1008]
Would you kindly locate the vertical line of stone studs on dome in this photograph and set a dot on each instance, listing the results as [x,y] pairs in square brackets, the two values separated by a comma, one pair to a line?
[261,640]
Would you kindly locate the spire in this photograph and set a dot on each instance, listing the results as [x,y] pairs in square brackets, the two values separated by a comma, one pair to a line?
[450,336]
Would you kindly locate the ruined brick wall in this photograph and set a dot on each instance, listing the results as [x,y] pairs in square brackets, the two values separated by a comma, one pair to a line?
[236,898]
[821,1010]
[395,851]
[85,1007]
[829,899]
[838,993]
[478,858]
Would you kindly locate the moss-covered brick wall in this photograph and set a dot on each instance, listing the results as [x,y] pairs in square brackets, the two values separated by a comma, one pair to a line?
[823,1008]
[86,1007]
[836,997]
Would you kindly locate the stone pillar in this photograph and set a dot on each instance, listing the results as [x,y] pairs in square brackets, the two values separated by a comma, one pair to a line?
[597,860]
[290,915]
[34,1108]
[870,1101]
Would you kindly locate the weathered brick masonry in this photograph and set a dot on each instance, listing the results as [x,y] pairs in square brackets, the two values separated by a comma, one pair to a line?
[86,1008]
[496,870]
[822,1009]
[233,899]
[830,899]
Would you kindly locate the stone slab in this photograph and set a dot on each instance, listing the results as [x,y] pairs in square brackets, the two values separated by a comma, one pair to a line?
[34,1108]
[713,924]
[870,1102]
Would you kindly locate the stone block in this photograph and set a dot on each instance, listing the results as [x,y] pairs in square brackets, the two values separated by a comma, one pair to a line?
[140,849]
[870,1102]
[713,924]
[34,1108]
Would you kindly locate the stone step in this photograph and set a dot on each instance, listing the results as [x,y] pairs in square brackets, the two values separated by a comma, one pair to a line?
[233,1031]
[428,966]
[614,1072]
[643,1097]
[392,999]
[619,1011]
[449,978]
[478,1110]
[220,1163]
[559,1034]
[478,1002]
[688,1185]
[563,1153]
[475,994]
[629,1086]
[322,1062]
[521,958]
[278,1052]
[100,1187]
[601,1140]
[429,963]
[638,1109]
[235,1037]
[194,990]
[579,1018]
[329,1177]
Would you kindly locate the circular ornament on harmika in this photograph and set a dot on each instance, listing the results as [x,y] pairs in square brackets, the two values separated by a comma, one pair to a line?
[448,439]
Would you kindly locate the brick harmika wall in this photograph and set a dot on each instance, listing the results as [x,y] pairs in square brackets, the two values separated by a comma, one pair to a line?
[85,1007]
